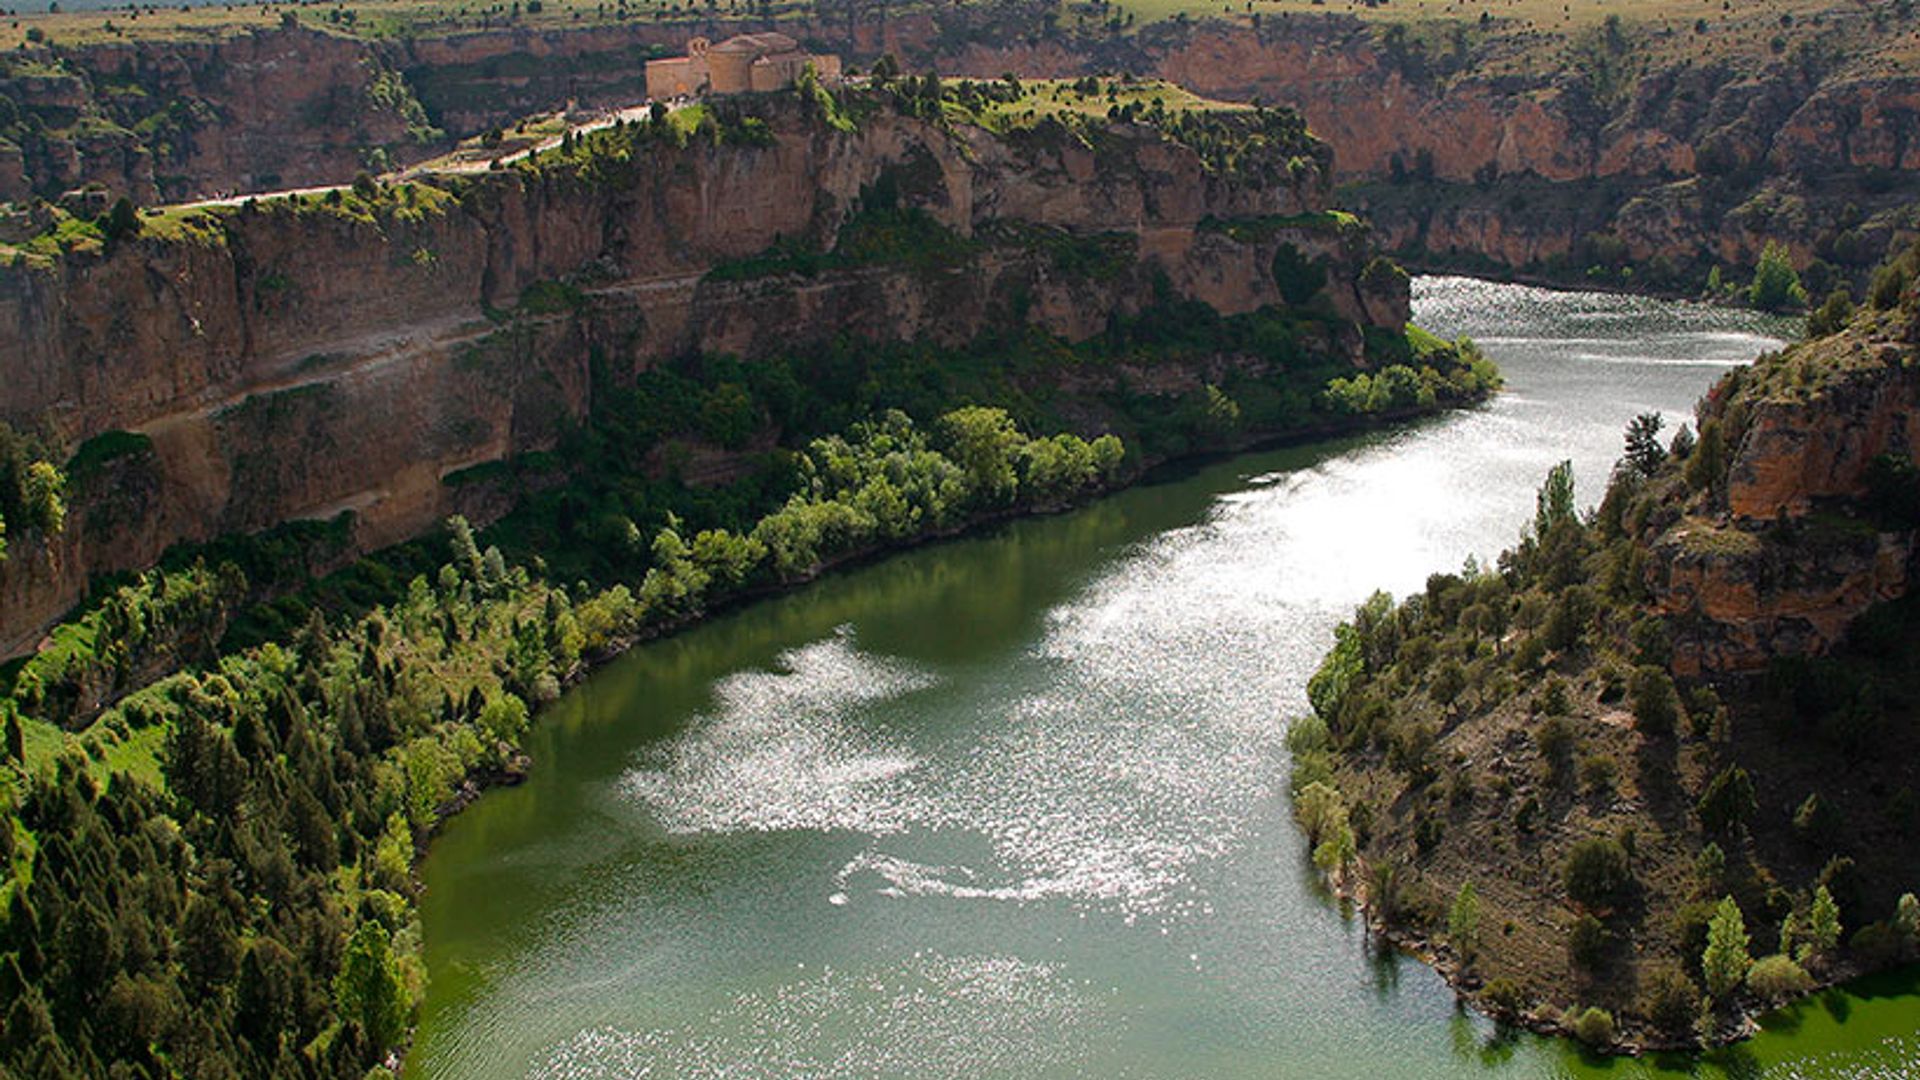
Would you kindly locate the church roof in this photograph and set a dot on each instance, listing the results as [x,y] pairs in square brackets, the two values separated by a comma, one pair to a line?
[758,44]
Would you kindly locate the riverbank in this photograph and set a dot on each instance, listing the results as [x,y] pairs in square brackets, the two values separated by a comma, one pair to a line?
[1704,754]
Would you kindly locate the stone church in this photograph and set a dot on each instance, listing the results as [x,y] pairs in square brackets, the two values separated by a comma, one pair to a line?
[749,62]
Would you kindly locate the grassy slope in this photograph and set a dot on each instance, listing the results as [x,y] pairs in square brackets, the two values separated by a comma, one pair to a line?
[1747,30]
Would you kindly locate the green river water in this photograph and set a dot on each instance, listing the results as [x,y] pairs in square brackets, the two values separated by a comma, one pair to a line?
[1014,806]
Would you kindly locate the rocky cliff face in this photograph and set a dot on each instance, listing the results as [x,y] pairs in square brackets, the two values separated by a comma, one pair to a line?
[1797,541]
[294,359]
[1692,162]
[1509,145]
[164,120]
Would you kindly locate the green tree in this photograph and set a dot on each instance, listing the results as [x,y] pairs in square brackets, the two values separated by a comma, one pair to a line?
[1707,465]
[1655,701]
[1776,285]
[1816,822]
[1669,998]
[1587,942]
[1463,920]
[1822,927]
[1644,452]
[1554,504]
[1337,851]
[1710,867]
[43,496]
[1320,810]
[1906,921]
[209,946]
[982,441]
[1597,871]
[466,552]
[368,989]
[1300,279]
[266,995]
[1726,961]
[122,221]
[1728,802]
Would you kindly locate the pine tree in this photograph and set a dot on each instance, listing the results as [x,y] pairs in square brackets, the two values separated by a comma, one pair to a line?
[1554,504]
[1726,960]
[1463,920]
[1823,925]
[1644,452]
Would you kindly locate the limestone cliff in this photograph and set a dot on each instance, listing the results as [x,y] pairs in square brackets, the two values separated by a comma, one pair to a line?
[297,358]
[1499,142]
[1780,555]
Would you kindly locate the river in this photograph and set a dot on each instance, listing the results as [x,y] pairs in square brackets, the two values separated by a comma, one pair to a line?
[1014,806]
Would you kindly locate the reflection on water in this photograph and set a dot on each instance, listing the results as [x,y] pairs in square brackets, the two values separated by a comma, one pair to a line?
[1014,806]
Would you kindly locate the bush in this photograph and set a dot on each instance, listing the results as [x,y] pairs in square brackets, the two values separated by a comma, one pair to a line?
[1878,945]
[1528,815]
[1598,773]
[1587,943]
[1728,801]
[1669,999]
[1594,1027]
[1777,978]
[1555,741]
[1503,997]
[1776,285]
[1553,697]
[1597,871]
[1655,702]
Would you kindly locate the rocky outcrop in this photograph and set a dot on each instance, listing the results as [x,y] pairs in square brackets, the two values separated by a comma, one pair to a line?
[168,119]
[294,359]
[1795,546]
[1509,150]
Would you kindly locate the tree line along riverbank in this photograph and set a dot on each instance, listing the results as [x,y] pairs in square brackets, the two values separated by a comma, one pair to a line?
[1652,773]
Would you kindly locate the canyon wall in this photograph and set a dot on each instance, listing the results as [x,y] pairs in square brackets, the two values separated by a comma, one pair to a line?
[1481,153]
[1800,537]
[295,359]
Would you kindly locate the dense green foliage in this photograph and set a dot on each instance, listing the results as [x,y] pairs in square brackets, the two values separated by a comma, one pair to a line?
[217,881]
[32,488]
[1776,285]
[1435,373]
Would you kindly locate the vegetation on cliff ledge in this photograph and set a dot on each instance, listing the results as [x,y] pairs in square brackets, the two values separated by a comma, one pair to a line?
[1596,807]
[32,489]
